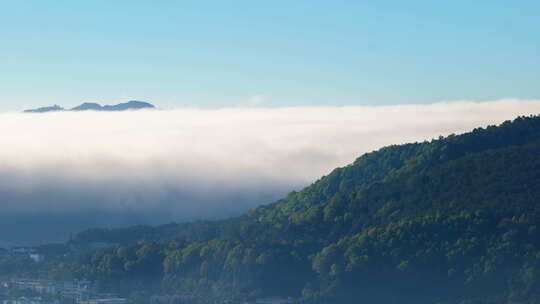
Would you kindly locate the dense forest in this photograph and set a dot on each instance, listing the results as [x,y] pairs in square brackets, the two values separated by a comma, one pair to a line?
[452,220]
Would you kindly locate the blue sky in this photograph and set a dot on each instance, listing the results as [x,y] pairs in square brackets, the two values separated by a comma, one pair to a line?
[222,53]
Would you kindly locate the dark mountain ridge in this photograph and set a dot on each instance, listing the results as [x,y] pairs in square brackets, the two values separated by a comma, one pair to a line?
[90,106]
[54,108]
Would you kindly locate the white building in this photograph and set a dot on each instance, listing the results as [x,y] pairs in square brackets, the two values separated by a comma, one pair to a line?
[105,301]
[36,257]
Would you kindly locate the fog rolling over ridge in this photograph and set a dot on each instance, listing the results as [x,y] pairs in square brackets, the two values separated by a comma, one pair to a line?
[62,172]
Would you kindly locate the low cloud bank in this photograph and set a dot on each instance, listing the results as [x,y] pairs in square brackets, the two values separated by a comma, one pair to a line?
[63,172]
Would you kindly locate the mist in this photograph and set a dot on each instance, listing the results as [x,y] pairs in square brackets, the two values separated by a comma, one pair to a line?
[67,171]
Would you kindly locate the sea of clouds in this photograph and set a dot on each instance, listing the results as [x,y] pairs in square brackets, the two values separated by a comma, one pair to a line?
[66,171]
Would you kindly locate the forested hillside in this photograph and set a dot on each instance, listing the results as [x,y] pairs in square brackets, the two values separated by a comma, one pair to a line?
[453,220]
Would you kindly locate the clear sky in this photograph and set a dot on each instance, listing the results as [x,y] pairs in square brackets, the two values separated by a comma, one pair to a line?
[288,53]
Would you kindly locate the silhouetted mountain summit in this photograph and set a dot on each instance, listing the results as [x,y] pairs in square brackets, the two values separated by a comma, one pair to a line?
[54,108]
[90,106]
[130,105]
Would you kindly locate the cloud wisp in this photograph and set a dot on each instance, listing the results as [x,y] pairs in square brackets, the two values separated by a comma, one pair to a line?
[70,171]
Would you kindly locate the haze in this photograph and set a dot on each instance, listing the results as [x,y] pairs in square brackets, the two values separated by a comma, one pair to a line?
[63,172]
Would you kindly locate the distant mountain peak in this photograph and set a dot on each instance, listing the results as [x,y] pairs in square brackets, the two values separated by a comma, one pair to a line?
[54,108]
[130,105]
[87,106]
[92,106]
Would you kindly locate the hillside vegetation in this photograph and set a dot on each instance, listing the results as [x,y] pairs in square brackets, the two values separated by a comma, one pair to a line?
[453,220]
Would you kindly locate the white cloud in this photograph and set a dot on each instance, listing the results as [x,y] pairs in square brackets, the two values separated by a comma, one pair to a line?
[189,163]
[257,100]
